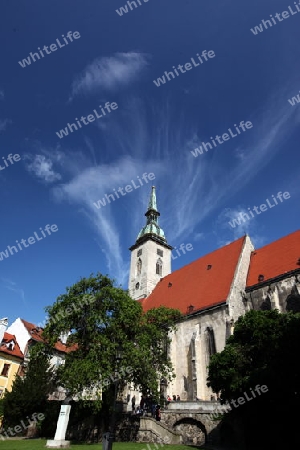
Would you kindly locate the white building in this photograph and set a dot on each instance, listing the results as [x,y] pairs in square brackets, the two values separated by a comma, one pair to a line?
[212,293]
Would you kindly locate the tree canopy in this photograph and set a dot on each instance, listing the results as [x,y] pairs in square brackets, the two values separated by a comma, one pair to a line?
[29,393]
[262,351]
[101,318]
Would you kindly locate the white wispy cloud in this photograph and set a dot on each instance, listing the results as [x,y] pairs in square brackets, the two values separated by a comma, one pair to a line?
[92,184]
[12,286]
[189,189]
[226,233]
[109,73]
[42,168]
[4,124]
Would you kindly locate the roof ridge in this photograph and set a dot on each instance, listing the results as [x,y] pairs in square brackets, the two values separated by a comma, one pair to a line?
[277,240]
[207,254]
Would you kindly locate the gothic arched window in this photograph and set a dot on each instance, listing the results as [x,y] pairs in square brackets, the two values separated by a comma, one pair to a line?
[139,267]
[293,301]
[159,267]
[266,304]
[210,341]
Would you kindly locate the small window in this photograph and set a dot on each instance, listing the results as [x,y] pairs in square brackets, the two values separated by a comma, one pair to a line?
[190,309]
[5,370]
[159,267]
[137,286]
[140,251]
[139,267]
[10,345]
[160,252]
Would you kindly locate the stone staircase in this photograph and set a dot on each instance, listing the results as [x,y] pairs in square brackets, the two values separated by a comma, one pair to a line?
[152,430]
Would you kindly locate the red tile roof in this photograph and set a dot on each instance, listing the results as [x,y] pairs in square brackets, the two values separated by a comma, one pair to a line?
[36,334]
[275,259]
[16,349]
[196,284]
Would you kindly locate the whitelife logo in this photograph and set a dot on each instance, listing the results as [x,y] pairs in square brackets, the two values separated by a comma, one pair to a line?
[90,118]
[182,248]
[188,66]
[242,400]
[265,24]
[263,207]
[36,417]
[31,240]
[53,48]
[11,158]
[225,136]
[294,100]
[124,9]
[127,188]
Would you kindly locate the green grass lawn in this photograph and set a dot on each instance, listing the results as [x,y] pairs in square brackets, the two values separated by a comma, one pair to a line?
[39,444]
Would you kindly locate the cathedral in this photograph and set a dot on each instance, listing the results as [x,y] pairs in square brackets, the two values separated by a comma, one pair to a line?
[212,292]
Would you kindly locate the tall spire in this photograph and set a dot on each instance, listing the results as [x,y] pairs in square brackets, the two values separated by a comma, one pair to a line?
[152,201]
[150,254]
[152,229]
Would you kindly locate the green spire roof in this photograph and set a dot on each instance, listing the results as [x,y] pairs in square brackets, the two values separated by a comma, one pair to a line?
[152,201]
[152,229]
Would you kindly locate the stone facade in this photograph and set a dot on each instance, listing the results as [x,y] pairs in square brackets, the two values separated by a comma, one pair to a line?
[190,423]
[196,338]
[144,259]
[194,424]
[282,293]
[235,297]
[204,331]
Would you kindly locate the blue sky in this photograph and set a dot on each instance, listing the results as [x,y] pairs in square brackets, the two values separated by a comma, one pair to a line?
[153,130]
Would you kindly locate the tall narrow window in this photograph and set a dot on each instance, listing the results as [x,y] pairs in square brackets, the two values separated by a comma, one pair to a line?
[5,370]
[192,370]
[159,267]
[210,341]
[139,267]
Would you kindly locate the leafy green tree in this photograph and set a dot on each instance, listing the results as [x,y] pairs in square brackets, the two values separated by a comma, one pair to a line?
[263,350]
[101,318]
[30,392]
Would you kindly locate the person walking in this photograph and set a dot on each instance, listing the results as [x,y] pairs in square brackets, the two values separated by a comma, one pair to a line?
[133,403]
[178,398]
[157,413]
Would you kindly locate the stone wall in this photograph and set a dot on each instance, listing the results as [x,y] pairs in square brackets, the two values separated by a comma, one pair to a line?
[198,424]
[282,294]
[152,431]
[191,370]
[235,299]
[196,428]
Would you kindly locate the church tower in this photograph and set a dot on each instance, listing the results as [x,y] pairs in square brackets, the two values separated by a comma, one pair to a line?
[150,255]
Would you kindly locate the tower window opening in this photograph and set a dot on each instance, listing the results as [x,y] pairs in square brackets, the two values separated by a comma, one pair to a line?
[159,267]
[140,251]
[160,252]
[139,267]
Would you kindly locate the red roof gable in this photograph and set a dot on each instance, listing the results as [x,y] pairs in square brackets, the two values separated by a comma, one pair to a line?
[36,334]
[198,284]
[275,259]
[16,349]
